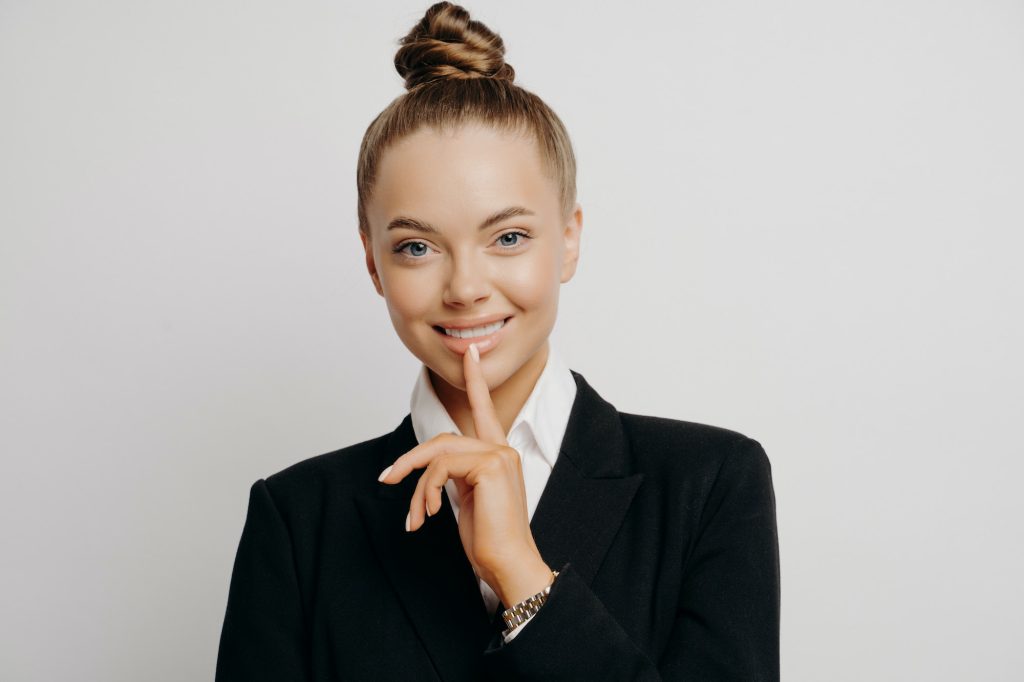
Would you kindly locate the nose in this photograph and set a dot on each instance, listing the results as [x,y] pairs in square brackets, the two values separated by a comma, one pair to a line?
[468,281]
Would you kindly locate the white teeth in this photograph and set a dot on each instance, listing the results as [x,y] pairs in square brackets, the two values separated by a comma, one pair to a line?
[475,331]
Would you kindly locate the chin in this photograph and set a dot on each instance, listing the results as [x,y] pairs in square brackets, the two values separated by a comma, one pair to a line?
[496,372]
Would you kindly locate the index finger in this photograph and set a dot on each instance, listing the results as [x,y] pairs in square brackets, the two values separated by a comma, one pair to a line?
[485,417]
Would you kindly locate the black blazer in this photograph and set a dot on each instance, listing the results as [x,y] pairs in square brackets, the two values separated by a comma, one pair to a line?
[663,532]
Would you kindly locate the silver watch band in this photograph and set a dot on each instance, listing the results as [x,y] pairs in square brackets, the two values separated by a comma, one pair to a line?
[516,615]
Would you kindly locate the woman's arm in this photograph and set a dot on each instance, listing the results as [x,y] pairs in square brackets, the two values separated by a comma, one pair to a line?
[727,622]
[264,636]
[727,627]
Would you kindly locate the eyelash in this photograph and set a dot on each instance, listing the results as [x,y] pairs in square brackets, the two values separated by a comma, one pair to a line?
[401,247]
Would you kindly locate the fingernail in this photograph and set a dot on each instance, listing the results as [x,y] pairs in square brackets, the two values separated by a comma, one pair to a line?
[427,505]
[474,352]
[384,474]
[407,522]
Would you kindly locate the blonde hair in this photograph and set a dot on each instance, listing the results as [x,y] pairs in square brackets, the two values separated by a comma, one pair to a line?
[455,73]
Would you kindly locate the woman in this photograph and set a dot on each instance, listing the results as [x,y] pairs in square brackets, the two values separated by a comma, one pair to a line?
[514,525]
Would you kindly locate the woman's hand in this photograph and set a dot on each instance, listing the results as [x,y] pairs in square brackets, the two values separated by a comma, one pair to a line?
[494,523]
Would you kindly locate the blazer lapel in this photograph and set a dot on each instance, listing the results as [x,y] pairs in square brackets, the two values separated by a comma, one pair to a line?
[590,488]
[577,516]
[428,568]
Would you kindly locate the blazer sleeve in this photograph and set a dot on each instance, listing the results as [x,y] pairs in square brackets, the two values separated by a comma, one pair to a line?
[727,619]
[264,635]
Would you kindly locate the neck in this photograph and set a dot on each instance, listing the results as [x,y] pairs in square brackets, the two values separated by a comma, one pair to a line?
[508,398]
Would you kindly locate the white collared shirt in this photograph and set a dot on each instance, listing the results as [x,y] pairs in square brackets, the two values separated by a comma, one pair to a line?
[536,434]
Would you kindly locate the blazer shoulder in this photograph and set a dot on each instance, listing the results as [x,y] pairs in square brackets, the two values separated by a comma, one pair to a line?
[665,444]
[311,480]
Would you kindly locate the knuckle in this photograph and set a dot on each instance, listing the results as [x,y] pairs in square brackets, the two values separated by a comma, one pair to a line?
[509,455]
[498,460]
[434,472]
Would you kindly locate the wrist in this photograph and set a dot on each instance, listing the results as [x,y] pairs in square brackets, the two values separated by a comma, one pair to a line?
[521,612]
[522,582]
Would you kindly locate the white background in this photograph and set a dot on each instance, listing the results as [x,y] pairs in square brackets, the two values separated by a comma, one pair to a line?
[802,221]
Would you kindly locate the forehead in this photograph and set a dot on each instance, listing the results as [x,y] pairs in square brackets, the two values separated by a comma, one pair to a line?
[460,175]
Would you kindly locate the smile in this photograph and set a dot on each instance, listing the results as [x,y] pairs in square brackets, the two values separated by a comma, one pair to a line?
[486,337]
[474,332]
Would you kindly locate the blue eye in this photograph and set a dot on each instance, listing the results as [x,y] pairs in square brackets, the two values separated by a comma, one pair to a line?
[422,248]
[513,234]
[420,244]
[519,244]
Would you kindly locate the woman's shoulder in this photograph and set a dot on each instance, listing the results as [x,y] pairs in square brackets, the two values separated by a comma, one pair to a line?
[338,473]
[666,446]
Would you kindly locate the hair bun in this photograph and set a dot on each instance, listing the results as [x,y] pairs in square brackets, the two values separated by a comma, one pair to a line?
[446,43]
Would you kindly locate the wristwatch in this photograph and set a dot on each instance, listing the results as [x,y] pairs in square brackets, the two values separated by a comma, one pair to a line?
[517,615]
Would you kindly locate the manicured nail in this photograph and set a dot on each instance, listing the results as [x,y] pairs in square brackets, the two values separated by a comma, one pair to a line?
[427,505]
[474,352]
[384,474]
[407,522]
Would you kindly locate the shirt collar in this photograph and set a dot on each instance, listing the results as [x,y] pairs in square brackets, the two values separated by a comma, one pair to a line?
[544,415]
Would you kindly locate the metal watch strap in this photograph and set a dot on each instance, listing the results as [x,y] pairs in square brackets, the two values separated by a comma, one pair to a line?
[515,616]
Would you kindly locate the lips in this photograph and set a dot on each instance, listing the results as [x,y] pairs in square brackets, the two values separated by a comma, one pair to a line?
[483,343]
[470,324]
[441,328]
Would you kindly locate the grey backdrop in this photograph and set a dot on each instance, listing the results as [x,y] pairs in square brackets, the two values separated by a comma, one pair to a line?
[802,221]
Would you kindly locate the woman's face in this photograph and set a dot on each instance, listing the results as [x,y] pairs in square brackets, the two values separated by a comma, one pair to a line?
[465,226]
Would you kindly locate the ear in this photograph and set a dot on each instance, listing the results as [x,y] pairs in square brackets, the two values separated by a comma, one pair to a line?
[371,264]
[571,234]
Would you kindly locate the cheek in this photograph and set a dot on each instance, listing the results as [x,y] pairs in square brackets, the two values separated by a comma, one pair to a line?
[407,295]
[534,282]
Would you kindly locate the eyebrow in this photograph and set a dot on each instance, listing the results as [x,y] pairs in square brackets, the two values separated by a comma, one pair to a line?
[421,226]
